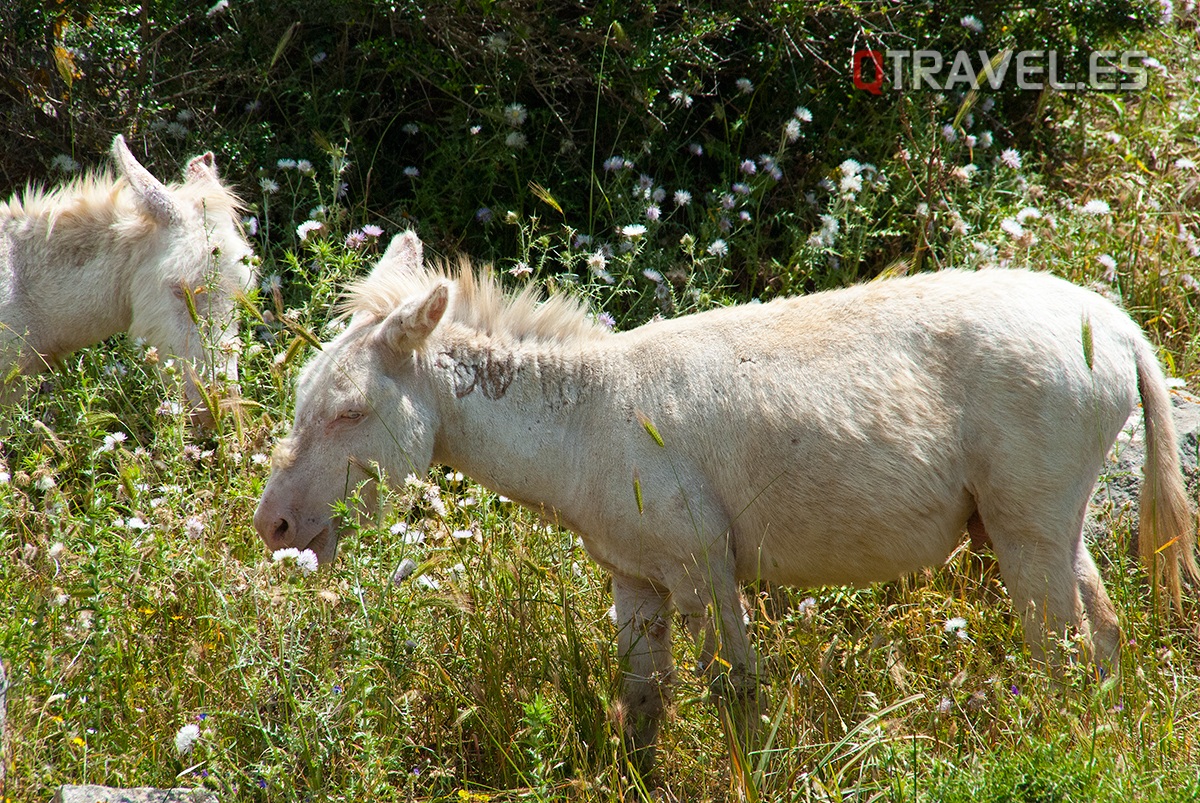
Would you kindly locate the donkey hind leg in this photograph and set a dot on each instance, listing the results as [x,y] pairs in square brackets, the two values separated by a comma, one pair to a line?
[1102,617]
[643,613]
[1038,555]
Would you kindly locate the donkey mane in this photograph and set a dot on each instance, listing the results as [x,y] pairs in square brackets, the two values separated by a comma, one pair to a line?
[478,302]
[99,199]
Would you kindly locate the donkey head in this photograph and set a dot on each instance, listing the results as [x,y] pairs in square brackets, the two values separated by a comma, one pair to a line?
[184,289]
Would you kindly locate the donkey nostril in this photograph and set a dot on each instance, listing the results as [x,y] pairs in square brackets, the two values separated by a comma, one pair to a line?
[281,529]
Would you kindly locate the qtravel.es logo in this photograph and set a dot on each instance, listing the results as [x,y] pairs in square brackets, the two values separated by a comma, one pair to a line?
[1108,70]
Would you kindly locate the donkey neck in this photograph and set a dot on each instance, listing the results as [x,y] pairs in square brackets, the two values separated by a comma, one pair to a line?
[510,412]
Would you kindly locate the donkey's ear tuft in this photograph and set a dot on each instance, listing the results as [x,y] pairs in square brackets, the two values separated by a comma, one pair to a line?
[404,254]
[152,194]
[409,325]
[202,168]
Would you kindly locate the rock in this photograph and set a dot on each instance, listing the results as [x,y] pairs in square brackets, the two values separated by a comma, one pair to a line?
[105,794]
[1114,504]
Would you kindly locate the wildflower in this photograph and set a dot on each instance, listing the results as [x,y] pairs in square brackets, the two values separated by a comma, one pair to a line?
[744,85]
[1096,207]
[596,262]
[186,738]
[286,164]
[972,23]
[653,275]
[633,230]
[695,149]
[748,167]
[520,269]
[1184,163]
[177,130]
[850,186]
[802,114]
[428,583]
[193,527]
[371,230]
[970,140]
[744,216]
[985,139]
[64,163]
[515,114]
[462,535]
[112,441]
[792,130]
[411,172]
[1028,213]
[307,562]
[483,215]
[964,173]
[56,550]
[615,163]
[682,197]
[280,555]
[741,188]
[319,57]
[515,140]
[136,523]
[475,130]
[45,483]
[302,231]
[718,248]
[728,201]
[1110,267]
[404,571]
[807,608]
[681,98]
[1009,157]
[269,185]
[606,320]
[217,8]
[410,128]
[958,626]
[252,106]
[945,706]
[250,223]
[653,212]
[497,43]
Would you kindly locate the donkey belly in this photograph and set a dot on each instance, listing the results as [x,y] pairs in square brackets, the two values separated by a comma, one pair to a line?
[850,541]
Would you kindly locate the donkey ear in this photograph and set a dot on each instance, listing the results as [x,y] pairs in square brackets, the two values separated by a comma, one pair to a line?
[404,254]
[154,196]
[407,327]
[202,168]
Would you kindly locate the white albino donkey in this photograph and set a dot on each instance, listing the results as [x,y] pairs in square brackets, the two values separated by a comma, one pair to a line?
[101,255]
[841,438]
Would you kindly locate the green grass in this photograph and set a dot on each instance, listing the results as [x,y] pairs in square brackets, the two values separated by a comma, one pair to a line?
[140,600]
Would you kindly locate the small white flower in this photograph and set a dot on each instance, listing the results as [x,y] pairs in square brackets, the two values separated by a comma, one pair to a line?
[462,535]
[802,114]
[515,114]
[681,98]
[792,130]
[1028,213]
[633,230]
[259,459]
[411,172]
[653,275]
[46,483]
[64,163]
[186,738]
[112,441]
[682,197]
[193,527]
[280,555]
[1096,207]
[653,212]
[308,226]
[56,550]
[520,270]
[972,23]
[427,582]
[515,140]
[286,164]
[404,571]
[410,128]
[307,562]
[718,248]
[948,133]
[1184,163]
[1009,157]
[269,185]
[744,85]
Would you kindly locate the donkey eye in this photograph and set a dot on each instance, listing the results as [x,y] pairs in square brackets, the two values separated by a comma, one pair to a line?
[351,415]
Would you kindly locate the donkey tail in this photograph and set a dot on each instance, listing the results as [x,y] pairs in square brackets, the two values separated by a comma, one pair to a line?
[1167,535]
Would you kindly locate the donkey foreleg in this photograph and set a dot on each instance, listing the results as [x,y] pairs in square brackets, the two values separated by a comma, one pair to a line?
[643,614]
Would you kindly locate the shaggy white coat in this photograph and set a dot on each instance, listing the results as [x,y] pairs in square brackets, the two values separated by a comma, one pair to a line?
[845,437]
[102,255]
